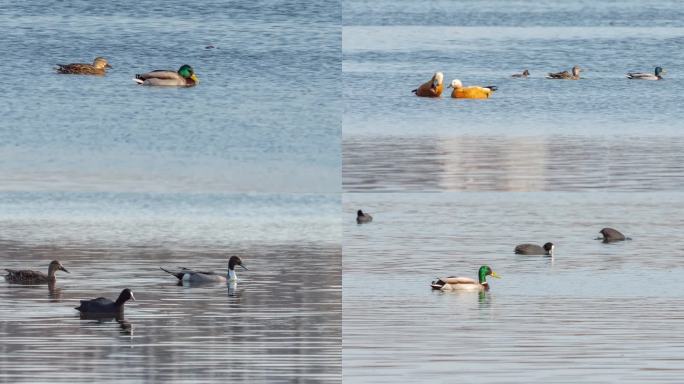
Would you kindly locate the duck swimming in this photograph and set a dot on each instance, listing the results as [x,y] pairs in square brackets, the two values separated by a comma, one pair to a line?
[190,276]
[525,73]
[534,249]
[659,71]
[432,88]
[471,92]
[104,306]
[565,75]
[465,283]
[25,276]
[98,67]
[184,77]
[610,235]
[362,217]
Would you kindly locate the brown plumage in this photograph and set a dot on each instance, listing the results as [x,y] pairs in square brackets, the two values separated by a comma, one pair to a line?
[432,88]
[565,75]
[26,276]
[98,67]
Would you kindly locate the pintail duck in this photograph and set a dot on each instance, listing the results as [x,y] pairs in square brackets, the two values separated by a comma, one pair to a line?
[565,75]
[362,217]
[534,249]
[191,276]
[610,235]
[659,71]
[25,276]
[98,67]
[104,306]
[525,73]
[432,88]
[472,92]
[465,283]
[184,77]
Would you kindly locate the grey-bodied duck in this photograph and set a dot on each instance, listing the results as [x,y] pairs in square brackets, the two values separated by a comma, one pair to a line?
[610,235]
[657,75]
[184,77]
[524,74]
[454,283]
[192,276]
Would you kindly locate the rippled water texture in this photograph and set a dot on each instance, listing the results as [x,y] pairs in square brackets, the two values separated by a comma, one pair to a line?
[263,118]
[529,124]
[593,313]
[280,323]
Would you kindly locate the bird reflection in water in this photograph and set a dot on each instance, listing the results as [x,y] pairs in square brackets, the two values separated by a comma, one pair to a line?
[125,326]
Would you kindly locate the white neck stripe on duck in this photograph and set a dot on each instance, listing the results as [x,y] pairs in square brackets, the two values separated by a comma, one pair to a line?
[232,276]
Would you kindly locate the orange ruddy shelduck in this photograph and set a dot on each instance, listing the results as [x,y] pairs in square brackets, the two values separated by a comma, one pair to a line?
[432,88]
[472,92]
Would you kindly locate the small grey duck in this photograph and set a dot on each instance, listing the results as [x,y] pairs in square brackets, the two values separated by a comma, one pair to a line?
[362,217]
[192,276]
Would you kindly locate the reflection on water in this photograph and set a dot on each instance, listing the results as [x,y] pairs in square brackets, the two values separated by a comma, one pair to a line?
[594,312]
[510,163]
[280,323]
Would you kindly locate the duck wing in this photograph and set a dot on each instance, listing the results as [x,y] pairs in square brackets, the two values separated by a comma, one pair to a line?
[559,75]
[95,305]
[25,275]
[159,74]
[641,76]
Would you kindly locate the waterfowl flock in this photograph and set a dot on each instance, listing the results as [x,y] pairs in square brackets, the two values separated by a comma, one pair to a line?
[434,87]
[183,77]
[458,283]
[102,307]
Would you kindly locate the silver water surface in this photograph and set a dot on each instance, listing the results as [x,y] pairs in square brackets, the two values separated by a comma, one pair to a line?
[280,323]
[261,119]
[510,163]
[395,141]
[594,312]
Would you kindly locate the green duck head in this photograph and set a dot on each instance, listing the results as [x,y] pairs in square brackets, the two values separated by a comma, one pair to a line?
[187,72]
[659,71]
[485,271]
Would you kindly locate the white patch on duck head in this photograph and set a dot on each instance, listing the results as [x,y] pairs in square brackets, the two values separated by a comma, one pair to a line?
[456,83]
[438,79]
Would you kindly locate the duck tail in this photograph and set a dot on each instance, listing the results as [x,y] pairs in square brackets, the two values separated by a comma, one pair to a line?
[138,78]
[415,90]
[492,87]
[179,275]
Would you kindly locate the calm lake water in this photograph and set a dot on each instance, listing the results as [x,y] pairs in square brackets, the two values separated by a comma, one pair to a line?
[265,116]
[280,323]
[557,135]
[593,313]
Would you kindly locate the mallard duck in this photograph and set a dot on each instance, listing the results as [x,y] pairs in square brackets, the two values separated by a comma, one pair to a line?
[104,306]
[184,77]
[362,217]
[610,235]
[191,276]
[534,249]
[472,92]
[659,71]
[25,276]
[432,88]
[465,283]
[525,73]
[98,67]
[565,75]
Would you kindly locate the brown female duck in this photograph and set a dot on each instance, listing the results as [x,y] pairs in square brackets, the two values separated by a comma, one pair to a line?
[98,67]
[26,276]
